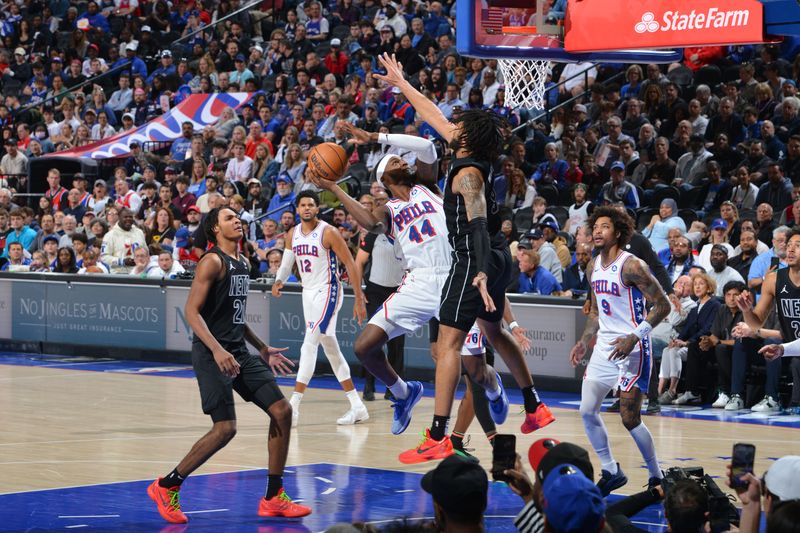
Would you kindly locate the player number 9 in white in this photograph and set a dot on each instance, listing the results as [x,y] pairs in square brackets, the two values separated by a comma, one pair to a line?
[606,307]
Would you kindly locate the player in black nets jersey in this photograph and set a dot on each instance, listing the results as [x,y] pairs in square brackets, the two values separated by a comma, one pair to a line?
[216,311]
[780,291]
[481,267]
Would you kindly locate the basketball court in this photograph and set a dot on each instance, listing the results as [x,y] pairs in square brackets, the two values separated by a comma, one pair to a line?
[83,437]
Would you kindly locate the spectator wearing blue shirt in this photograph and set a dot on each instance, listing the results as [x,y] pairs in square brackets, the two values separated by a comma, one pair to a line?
[166,68]
[284,197]
[19,231]
[618,189]
[182,145]
[451,100]
[137,66]
[94,19]
[552,171]
[535,279]
[16,257]
[398,109]
[769,261]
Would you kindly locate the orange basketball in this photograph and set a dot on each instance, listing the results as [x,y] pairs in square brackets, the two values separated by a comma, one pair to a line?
[328,161]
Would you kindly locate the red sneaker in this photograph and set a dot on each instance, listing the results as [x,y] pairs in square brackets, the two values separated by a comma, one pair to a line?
[538,419]
[428,450]
[168,502]
[283,506]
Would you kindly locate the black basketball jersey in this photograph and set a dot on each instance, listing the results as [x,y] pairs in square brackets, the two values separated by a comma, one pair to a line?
[456,212]
[787,300]
[225,308]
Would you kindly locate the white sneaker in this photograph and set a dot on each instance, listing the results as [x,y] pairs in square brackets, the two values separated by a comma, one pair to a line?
[767,405]
[354,416]
[735,403]
[686,397]
[722,401]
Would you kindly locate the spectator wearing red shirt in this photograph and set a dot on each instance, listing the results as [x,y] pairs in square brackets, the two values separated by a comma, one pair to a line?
[184,200]
[335,61]
[255,138]
[698,57]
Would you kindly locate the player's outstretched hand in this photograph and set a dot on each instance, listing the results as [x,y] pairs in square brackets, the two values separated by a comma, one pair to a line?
[394,69]
[771,351]
[577,354]
[274,357]
[520,335]
[479,282]
[227,363]
[360,136]
[623,346]
[360,309]
[745,301]
[276,288]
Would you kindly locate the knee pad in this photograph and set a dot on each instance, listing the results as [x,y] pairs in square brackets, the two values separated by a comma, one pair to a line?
[335,357]
[308,361]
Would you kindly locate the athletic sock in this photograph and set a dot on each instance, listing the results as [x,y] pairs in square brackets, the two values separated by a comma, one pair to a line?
[173,479]
[457,439]
[355,401]
[644,440]
[297,397]
[481,406]
[399,389]
[531,398]
[274,486]
[493,394]
[490,437]
[439,427]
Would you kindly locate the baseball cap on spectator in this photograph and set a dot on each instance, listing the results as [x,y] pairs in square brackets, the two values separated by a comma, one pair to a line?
[78,176]
[149,167]
[579,108]
[564,452]
[11,141]
[695,138]
[572,502]
[94,47]
[170,170]
[146,28]
[19,51]
[524,244]
[284,177]
[90,110]
[396,90]
[55,59]
[790,82]
[253,181]
[138,90]
[129,115]
[539,449]
[336,42]
[618,165]
[719,223]
[372,105]
[239,57]
[256,47]
[535,234]
[459,485]
[134,144]
[182,236]
[193,208]
[783,478]
[722,248]
[549,222]
[50,238]
[131,46]
[100,183]
[166,53]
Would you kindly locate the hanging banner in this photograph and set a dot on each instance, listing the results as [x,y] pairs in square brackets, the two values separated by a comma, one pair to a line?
[595,25]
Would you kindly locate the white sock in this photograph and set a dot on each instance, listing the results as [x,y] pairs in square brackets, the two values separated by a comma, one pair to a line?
[493,394]
[644,440]
[355,401]
[399,389]
[592,394]
[297,397]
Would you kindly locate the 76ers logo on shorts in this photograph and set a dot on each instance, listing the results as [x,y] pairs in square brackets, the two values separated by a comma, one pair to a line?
[624,382]
[311,325]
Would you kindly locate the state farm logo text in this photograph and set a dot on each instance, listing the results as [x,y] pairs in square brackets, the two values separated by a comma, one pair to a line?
[714,18]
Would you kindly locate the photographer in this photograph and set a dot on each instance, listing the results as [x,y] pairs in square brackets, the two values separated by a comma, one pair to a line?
[781,491]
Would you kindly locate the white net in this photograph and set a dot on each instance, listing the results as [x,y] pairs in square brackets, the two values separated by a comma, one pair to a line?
[524,80]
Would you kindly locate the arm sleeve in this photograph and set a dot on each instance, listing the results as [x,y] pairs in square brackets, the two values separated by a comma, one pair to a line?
[425,149]
[368,242]
[791,349]
[286,266]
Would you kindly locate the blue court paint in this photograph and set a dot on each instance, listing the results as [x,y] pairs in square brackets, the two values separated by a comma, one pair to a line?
[553,399]
[228,502]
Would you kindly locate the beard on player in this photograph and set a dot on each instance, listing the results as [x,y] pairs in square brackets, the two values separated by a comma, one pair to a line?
[407,176]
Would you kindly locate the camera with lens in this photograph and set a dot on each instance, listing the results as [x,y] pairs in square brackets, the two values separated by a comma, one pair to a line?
[722,512]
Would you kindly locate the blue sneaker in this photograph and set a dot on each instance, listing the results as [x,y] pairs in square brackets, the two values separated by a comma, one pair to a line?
[610,482]
[499,408]
[402,408]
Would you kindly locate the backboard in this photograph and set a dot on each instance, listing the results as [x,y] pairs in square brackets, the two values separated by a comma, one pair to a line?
[524,29]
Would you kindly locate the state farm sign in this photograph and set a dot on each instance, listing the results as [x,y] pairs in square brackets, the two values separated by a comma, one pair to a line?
[593,25]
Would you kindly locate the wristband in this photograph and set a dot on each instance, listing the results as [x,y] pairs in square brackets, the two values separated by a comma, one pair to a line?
[513,325]
[643,329]
[478,227]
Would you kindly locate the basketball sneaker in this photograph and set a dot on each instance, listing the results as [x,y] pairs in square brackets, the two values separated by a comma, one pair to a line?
[354,416]
[168,502]
[498,407]
[282,506]
[428,450]
[538,419]
[610,482]
[462,450]
[402,408]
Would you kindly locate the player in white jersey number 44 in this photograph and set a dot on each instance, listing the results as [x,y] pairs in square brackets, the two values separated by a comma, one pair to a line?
[621,285]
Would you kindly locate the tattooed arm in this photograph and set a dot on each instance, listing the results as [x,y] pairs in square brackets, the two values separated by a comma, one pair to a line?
[635,273]
[578,351]
[470,185]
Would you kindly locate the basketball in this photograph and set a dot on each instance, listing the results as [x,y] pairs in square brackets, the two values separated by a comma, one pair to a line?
[328,161]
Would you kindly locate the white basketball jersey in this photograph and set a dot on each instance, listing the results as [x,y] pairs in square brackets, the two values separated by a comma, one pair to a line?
[419,229]
[621,308]
[317,265]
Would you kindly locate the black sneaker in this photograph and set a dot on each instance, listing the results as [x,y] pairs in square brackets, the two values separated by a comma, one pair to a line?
[388,395]
[461,450]
[610,482]
[614,407]
[653,407]
[368,396]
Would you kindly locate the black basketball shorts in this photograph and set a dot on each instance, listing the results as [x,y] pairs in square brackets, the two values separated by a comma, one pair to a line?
[461,302]
[255,382]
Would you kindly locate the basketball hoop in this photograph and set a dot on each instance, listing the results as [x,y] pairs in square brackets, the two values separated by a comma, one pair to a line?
[524,80]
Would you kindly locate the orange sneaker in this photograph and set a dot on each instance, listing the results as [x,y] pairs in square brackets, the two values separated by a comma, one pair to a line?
[428,450]
[538,419]
[283,506]
[168,502]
